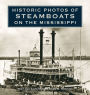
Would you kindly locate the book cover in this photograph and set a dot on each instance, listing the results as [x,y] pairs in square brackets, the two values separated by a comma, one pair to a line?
[44,47]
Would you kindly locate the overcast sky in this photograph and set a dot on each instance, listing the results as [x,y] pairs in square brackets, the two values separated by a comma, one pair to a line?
[12,39]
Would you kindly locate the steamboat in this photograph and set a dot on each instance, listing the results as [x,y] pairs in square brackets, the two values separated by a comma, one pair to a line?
[40,74]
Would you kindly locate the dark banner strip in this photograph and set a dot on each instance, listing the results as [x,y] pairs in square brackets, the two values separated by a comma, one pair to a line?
[44,16]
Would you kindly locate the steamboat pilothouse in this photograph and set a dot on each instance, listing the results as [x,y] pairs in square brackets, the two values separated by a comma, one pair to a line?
[42,71]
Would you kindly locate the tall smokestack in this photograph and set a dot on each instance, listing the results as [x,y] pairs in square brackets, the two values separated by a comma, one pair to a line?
[18,57]
[41,46]
[53,46]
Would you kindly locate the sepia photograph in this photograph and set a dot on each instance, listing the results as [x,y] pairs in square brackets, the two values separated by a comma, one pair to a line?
[44,47]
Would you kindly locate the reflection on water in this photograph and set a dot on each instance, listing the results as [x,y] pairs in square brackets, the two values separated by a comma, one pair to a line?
[8,91]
